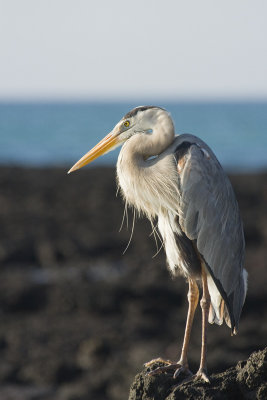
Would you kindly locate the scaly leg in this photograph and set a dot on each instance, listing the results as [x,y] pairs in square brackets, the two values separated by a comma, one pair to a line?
[193,296]
[205,305]
[182,364]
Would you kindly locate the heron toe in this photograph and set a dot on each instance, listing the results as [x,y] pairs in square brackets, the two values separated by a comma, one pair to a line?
[182,370]
[201,375]
[165,368]
[157,360]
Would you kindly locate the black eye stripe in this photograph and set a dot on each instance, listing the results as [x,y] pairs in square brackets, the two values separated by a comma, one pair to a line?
[134,111]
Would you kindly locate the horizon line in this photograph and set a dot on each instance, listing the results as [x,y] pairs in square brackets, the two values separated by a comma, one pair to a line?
[123,100]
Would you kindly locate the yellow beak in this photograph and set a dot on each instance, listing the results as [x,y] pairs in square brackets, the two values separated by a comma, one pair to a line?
[108,143]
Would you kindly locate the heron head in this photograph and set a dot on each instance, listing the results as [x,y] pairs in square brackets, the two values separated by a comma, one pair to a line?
[146,121]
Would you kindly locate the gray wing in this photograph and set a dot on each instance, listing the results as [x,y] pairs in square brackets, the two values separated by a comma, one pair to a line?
[209,216]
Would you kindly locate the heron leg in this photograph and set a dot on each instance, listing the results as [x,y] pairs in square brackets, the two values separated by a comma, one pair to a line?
[205,305]
[182,364]
[193,296]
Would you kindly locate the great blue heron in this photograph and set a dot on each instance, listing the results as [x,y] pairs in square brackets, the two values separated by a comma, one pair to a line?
[179,181]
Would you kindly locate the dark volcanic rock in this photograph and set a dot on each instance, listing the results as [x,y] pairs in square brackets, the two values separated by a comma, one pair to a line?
[248,380]
[79,318]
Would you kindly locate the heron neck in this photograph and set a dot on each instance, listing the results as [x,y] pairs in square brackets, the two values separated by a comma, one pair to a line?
[133,155]
[140,147]
[141,179]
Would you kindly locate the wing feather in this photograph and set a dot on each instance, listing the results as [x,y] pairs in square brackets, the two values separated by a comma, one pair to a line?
[209,216]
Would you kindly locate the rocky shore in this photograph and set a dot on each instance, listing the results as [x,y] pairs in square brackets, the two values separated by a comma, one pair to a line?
[246,380]
[78,318]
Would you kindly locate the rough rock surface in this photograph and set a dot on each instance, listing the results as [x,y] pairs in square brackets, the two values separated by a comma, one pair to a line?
[247,380]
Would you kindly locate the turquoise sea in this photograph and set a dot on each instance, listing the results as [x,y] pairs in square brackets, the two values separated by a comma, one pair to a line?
[53,134]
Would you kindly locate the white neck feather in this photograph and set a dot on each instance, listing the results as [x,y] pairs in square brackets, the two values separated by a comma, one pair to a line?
[149,185]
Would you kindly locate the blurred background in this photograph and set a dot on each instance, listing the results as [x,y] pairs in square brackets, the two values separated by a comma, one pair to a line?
[79,318]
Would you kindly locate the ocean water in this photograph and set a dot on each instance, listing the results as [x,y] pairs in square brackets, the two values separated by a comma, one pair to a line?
[53,134]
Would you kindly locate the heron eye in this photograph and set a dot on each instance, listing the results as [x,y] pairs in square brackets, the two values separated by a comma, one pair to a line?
[126,124]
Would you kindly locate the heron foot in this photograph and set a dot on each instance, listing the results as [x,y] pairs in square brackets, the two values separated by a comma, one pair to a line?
[179,367]
[182,369]
[160,370]
[201,375]
[157,360]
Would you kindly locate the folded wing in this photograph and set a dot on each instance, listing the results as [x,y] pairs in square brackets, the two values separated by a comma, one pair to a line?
[209,216]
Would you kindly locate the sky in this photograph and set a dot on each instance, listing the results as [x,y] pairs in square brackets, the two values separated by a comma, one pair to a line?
[120,49]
